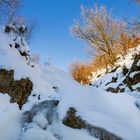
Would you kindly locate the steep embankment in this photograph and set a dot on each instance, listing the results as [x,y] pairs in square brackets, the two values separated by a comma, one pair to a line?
[56,107]
[124,77]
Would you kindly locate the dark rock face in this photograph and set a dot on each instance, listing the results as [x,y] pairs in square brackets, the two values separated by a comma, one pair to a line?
[138,89]
[128,81]
[114,80]
[101,133]
[18,90]
[113,90]
[125,70]
[136,78]
[135,67]
[74,121]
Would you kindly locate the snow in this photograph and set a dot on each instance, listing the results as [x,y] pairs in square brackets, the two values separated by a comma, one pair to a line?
[66,132]
[10,125]
[110,111]
[38,134]
[69,133]
[24,45]
[116,113]
[40,120]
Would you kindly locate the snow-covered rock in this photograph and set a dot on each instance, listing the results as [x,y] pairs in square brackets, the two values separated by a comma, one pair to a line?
[124,77]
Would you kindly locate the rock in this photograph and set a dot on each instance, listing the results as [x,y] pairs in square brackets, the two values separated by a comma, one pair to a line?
[132,81]
[114,69]
[46,108]
[122,90]
[6,78]
[128,81]
[17,45]
[138,89]
[125,70]
[114,80]
[74,121]
[134,68]
[98,76]
[101,133]
[113,90]
[136,78]
[7,29]
[56,89]
[18,90]
[41,115]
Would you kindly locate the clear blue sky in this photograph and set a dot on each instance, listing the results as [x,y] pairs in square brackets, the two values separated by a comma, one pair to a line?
[54,18]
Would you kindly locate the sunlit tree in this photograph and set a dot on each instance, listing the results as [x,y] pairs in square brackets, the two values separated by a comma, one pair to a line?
[100,30]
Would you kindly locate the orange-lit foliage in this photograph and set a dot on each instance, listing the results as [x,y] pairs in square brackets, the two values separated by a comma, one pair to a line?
[100,30]
[100,61]
[81,73]
[107,36]
[127,42]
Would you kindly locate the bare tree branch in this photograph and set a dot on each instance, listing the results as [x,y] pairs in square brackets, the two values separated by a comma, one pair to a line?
[100,30]
[8,10]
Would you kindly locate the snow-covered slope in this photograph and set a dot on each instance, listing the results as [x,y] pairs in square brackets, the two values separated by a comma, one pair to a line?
[124,77]
[115,113]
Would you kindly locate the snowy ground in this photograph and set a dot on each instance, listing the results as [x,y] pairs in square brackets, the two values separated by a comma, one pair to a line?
[117,113]
[10,115]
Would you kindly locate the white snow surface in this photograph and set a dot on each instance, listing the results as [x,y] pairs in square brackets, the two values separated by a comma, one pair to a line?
[10,127]
[116,113]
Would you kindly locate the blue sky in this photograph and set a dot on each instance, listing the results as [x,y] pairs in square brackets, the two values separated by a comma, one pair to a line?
[52,38]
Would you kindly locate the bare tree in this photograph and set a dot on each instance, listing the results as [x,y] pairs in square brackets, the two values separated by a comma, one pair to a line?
[10,17]
[136,23]
[100,30]
[31,26]
[8,10]
[138,1]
